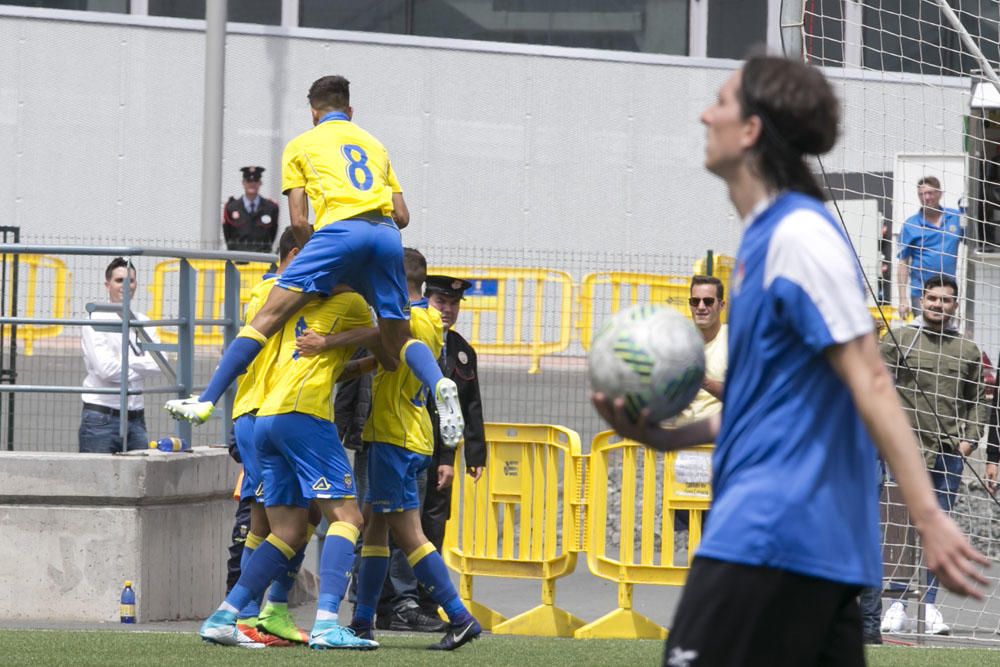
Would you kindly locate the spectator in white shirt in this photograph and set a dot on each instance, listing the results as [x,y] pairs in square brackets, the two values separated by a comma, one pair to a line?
[102,353]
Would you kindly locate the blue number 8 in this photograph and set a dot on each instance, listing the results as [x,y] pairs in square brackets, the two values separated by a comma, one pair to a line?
[357,161]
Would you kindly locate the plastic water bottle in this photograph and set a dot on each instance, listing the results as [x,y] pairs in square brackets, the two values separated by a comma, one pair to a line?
[170,445]
[127,607]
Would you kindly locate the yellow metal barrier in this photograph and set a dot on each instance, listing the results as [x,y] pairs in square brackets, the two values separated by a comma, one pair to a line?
[883,314]
[626,290]
[209,297]
[508,523]
[58,276]
[502,294]
[653,487]
[722,268]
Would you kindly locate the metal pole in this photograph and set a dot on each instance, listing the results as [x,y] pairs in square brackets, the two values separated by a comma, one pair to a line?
[710,263]
[231,312]
[123,372]
[185,339]
[211,151]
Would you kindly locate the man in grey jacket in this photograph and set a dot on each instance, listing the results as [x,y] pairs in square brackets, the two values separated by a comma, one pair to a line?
[938,375]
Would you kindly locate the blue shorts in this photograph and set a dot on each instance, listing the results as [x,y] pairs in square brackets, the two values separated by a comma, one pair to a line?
[392,478]
[301,458]
[253,483]
[362,253]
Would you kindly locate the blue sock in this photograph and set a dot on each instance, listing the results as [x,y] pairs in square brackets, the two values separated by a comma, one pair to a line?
[417,356]
[371,577]
[234,363]
[430,570]
[335,565]
[268,561]
[283,584]
[253,607]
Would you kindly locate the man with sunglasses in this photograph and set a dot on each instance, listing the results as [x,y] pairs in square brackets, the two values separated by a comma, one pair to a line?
[706,303]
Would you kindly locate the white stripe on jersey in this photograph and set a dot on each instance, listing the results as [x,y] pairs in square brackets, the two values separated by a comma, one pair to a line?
[809,251]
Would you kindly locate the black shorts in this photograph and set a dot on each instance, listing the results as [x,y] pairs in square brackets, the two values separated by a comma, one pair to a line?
[732,614]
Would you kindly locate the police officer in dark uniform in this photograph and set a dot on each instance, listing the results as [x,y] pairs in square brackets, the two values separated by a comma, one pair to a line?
[250,222]
[458,362]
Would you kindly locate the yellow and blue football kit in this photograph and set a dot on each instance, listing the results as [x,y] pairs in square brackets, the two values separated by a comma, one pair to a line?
[349,181]
[251,387]
[399,427]
[399,431]
[300,453]
[344,170]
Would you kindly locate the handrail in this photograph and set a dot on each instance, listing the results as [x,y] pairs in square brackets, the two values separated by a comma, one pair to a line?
[180,380]
[134,251]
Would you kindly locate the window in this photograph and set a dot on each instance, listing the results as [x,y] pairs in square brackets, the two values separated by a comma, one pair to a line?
[913,36]
[735,27]
[653,26]
[113,6]
[824,32]
[266,12]
[365,15]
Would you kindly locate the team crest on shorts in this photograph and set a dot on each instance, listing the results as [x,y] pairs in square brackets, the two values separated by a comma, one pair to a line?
[321,485]
[348,482]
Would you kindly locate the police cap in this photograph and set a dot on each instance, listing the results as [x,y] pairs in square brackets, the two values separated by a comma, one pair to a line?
[252,173]
[446,285]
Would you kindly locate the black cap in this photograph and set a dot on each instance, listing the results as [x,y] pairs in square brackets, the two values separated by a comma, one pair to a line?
[252,173]
[446,285]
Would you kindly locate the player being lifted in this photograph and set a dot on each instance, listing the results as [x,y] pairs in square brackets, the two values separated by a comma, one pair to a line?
[302,461]
[401,444]
[272,625]
[345,174]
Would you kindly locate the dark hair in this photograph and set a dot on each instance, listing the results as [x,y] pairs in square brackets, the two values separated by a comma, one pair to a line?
[720,290]
[330,93]
[941,281]
[415,266]
[286,244]
[931,181]
[799,115]
[117,263]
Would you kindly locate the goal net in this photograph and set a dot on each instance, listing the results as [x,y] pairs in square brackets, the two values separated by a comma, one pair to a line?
[916,182]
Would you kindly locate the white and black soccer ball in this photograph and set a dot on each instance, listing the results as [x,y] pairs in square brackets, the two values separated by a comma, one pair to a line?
[652,356]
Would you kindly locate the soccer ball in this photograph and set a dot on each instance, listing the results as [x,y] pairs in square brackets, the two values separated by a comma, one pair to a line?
[652,356]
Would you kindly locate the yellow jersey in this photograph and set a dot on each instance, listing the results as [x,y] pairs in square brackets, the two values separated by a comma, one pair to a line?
[399,400]
[344,170]
[251,387]
[305,384]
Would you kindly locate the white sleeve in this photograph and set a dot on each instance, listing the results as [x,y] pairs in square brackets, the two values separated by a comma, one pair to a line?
[812,269]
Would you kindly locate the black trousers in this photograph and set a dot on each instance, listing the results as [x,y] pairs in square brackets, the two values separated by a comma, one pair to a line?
[241,528]
[743,615]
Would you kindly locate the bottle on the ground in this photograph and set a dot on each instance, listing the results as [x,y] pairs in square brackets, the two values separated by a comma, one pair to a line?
[127,607]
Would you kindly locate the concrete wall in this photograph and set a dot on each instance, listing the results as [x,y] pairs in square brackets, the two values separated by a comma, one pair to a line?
[76,526]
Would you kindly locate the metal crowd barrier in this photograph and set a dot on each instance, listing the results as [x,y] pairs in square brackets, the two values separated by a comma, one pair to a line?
[541,501]
[508,308]
[650,486]
[210,294]
[519,520]
[52,306]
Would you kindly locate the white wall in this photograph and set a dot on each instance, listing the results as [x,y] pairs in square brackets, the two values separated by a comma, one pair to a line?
[496,145]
